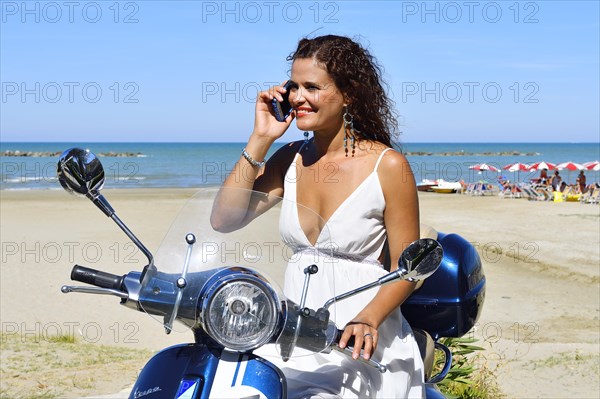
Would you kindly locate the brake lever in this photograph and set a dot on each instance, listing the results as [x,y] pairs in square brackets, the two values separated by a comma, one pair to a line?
[370,362]
[65,289]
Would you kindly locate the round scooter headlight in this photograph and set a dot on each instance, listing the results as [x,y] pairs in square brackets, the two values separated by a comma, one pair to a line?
[240,313]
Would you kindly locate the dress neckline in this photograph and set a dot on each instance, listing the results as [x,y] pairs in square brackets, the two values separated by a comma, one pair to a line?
[333,214]
[293,165]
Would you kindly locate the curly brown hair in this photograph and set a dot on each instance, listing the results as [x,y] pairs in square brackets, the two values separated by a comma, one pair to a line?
[357,74]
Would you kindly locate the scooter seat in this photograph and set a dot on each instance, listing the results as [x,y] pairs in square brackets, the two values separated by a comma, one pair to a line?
[428,232]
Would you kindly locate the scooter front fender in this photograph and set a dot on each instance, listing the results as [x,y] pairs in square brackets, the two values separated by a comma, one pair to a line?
[194,371]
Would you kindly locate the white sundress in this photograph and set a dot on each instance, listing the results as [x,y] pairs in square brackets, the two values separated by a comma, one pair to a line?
[357,232]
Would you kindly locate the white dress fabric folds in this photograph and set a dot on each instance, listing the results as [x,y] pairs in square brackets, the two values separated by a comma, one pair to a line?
[346,253]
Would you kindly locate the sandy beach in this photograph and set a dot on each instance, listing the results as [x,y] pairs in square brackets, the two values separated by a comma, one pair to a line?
[540,323]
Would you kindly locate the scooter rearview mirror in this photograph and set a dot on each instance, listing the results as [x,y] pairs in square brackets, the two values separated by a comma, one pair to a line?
[420,259]
[80,172]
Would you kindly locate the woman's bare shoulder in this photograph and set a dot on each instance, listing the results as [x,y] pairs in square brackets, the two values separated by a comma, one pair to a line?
[271,178]
[394,168]
[286,152]
[390,160]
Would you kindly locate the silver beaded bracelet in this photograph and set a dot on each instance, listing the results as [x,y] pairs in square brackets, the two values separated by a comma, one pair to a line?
[251,160]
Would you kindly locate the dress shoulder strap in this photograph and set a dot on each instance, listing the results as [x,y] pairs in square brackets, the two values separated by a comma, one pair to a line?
[379,159]
[299,151]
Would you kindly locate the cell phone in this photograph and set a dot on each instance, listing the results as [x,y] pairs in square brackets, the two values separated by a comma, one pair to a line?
[284,108]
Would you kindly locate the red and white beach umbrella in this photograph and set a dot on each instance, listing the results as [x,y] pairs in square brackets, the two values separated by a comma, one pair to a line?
[516,167]
[569,166]
[542,165]
[484,166]
[594,165]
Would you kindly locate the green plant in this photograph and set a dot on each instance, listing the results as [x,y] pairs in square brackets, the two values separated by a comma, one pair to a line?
[63,338]
[469,377]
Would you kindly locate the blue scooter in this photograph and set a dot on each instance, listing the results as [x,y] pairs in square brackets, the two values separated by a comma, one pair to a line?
[233,311]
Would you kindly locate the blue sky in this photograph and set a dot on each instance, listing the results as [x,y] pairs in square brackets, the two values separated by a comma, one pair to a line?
[464,71]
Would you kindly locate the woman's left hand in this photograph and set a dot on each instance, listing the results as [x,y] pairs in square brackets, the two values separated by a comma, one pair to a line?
[365,337]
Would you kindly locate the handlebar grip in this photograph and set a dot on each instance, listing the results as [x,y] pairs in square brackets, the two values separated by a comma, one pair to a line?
[97,278]
[339,335]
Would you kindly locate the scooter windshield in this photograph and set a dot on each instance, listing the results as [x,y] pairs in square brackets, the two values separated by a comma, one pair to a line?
[242,257]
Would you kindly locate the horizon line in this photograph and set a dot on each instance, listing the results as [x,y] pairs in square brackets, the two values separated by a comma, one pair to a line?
[284,142]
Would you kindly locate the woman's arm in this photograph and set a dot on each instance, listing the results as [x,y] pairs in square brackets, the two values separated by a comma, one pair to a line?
[401,218]
[235,206]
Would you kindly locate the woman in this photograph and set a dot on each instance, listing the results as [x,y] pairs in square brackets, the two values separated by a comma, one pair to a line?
[365,195]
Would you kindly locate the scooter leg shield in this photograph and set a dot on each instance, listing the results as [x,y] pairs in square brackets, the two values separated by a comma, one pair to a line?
[195,371]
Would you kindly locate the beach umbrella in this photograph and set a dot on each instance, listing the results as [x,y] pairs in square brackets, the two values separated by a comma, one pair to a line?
[542,165]
[516,167]
[484,166]
[569,166]
[594,165]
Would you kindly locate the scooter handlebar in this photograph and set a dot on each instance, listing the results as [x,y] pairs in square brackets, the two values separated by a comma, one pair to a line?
[338,336]
[349,349]
[97,278]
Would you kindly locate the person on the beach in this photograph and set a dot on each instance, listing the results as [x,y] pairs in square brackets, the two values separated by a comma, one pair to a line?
[555,181]
[581,182]
[544,177]
[369,205]
[563,186]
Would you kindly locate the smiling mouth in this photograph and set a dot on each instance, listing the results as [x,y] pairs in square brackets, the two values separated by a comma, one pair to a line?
[303,112]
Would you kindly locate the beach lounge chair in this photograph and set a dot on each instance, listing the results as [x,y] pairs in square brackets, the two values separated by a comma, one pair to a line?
[594,198]
[547,193]
[528,192]
[570,194]
[585,197]
[505,192]
[487,189]
[482,188]
[508,190]
[470,188]
[525,192]
[532,194]
[513,192]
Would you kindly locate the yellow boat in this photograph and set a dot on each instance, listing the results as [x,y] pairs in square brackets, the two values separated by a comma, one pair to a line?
[443,190]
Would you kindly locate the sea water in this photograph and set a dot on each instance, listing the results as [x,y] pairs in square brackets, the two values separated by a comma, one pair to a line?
[188,165]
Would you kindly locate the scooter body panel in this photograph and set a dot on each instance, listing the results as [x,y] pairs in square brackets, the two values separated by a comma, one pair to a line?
[194,371]
[433,392]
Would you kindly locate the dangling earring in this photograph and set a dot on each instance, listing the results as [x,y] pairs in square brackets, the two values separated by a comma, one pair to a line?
[349,131]
[305,138]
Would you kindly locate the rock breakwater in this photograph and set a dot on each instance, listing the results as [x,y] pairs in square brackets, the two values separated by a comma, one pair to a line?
[51,154]
[466,153]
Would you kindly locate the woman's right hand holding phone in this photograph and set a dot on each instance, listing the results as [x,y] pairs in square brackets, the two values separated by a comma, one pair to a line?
[266,126]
